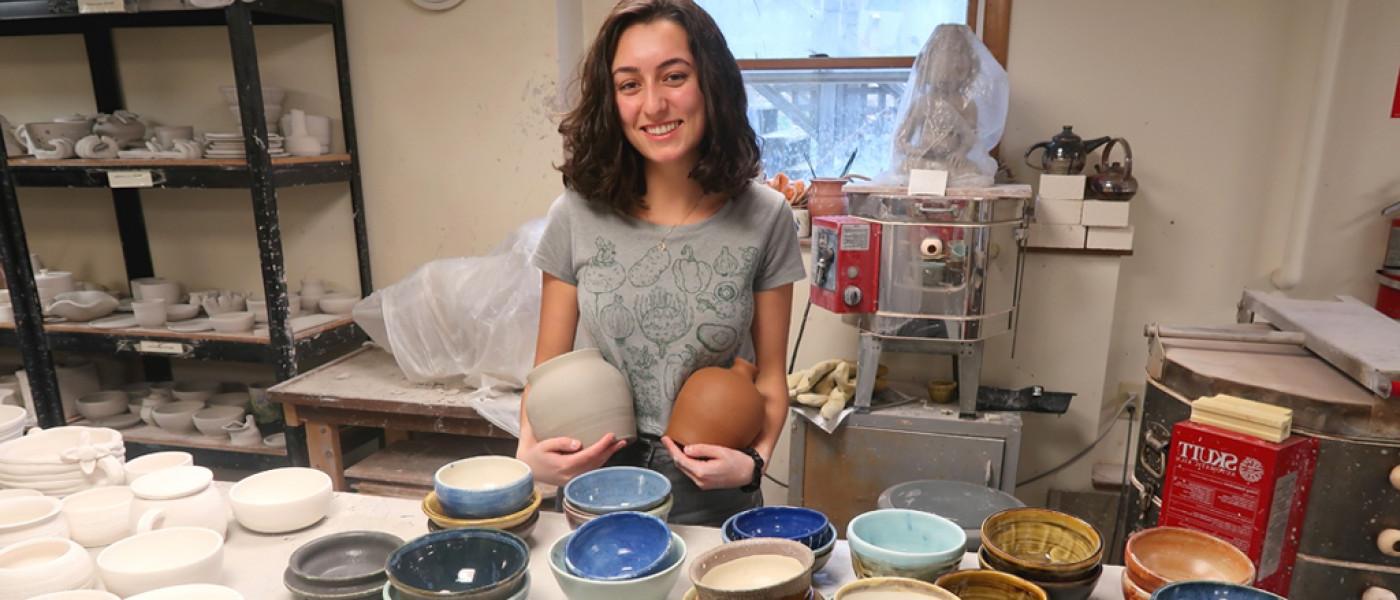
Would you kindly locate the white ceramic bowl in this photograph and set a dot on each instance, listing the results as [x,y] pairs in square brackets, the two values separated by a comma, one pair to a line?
[338,303]
[90,515]
[98,405]
[198,391]
[30,517]
[232,322]
[193,591]
[19,493]
[281,500]
[156,461]
[43,565]
[162,558]
[210,421]
[181,312]
[79,595]
[178,416]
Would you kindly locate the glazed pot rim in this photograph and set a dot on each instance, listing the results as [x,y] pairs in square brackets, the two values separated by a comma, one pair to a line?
[570,487]
[805,556]
[417,544]
[604,520]
[777,509]
[989,540]
[490,458]
[918,514]
[54,507]
[856,585]
[1010,578]
[1216,584]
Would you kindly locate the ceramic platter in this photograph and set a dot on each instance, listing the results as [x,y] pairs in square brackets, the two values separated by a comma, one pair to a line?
[121,421]
[115,322]
[190,326]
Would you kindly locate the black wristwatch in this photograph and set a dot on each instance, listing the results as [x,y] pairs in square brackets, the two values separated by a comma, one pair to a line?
[757,471]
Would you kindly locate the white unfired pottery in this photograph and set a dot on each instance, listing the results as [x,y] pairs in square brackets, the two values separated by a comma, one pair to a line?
[43,565]
[210,421]
[202,591]
[152,288]
[19,493]
[281,500]
[156,461]
[79,595]
[580,396]
[245,433]
[29,517]
[178,497]
[163,558]
[95,516]
[176,417]
[198,391]
[232,322]
[151,313]
[82,306]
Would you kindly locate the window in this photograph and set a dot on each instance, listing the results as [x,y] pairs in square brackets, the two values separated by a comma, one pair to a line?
[824,77]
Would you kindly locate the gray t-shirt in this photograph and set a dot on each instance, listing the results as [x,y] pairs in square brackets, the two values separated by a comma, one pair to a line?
[658,312]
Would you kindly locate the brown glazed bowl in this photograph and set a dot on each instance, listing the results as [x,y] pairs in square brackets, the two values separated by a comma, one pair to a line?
[990,585]
[718,406]
[1131,591]
[796,587]
[1041,544]
[1161,555]
[886,587]
[1079,589]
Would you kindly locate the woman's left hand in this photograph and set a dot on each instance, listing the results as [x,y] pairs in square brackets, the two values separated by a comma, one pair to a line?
[712,467]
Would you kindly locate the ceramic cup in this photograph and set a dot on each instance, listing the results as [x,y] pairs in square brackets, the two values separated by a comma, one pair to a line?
[151,288]
[90,515]
[803,219]
[150,314]
[167,134]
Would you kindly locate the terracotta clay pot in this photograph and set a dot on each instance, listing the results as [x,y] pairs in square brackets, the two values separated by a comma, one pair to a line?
[718,406]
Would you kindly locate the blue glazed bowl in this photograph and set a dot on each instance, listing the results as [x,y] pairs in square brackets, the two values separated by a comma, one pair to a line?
[618,546]
[802,525]
[652,587]
[482,487]
[1210,590]
[614,489]
[822,552]
[896,542]
[392,593]
[482,564]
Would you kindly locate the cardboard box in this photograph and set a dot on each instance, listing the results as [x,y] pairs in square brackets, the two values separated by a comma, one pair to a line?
[1058,212]
[1045,235]
[1244,490]
[1062,187]
[1109,238]
[1100,213]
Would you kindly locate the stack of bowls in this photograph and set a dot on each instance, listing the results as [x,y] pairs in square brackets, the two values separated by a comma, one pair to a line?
[616,489]
[460,564]
[1214,590]
[484,492]
[876,588]
[1154,558]
[760,568]
[344,566]
[981,583]
[618,547]
[12,420]
[802,525]
[1060,553]
[655,586]
[897,542]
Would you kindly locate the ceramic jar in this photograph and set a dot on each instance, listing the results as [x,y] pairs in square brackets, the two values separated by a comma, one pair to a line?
[179,497]
[580,396]
[89,514]
[718,406]
[827,197]
[156,559]
[44,565]
[30,517]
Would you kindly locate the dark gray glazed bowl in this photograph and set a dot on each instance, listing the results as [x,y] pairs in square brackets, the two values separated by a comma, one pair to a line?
[431,566]
[344,558]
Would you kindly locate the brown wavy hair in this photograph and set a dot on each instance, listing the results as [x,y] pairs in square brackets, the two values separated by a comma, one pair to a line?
[602,166]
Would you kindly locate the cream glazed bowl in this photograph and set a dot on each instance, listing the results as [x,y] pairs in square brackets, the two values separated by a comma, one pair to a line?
[281,500]
[162,558]
[43,565]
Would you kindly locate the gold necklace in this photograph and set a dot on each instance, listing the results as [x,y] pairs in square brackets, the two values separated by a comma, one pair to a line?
[662,244]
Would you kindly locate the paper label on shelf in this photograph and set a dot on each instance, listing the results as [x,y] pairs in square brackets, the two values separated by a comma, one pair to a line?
[149,347]
[101,6]
[928,182]
[130,179]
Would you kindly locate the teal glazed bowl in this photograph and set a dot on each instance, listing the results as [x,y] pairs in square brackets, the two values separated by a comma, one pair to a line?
[896,542]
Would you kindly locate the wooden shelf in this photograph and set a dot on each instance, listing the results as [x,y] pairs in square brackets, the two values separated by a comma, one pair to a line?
[155,436]
[195,173]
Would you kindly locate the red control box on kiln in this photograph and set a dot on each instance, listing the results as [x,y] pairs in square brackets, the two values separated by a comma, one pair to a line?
[845,264]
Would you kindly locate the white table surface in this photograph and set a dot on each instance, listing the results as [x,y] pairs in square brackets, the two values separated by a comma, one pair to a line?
[254,562]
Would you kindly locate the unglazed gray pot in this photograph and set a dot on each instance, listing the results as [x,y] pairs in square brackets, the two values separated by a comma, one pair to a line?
[580,396]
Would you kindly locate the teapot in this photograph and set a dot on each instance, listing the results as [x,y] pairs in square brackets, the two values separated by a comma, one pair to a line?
[1064,153]
[1115,181]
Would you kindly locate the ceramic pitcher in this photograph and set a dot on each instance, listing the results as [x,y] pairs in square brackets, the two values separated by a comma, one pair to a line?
[179,497]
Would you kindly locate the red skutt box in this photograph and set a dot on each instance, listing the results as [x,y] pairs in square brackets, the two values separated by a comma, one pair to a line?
[1244,490]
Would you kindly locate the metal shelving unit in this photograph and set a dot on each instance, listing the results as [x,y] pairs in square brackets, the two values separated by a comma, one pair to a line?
[261,174]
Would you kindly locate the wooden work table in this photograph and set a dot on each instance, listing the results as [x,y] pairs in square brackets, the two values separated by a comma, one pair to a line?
[254,562]
[367,388]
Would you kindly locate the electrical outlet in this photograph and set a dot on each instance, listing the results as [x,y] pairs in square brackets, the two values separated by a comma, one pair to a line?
[1126,389]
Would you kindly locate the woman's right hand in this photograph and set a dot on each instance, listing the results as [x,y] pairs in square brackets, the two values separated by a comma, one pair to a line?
[557,460]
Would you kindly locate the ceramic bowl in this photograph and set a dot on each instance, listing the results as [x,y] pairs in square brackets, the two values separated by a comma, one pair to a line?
[433,508]
[100,405]
[802,525]
[523,530]
[177,416]
[202,591]
[181,312]
[89,515]
[618,546]
[341,561]
[156,461]
[281,500]
[1079,589]
[897,542]
[43,565]
[717,573]
[651,587]
[964,503]
[883,588]
[1211,590]
[1161,555]
[232,322]
[6,494]
[28,517]
[338,304]
[238,399]
[975,584]
[197,391]
[430,566]
[1131,591]
[822,553]
[1042,544]
[79,595]
[162,558]
[613,489]
[392,593]
[210,421]
[483,486]
[577,517]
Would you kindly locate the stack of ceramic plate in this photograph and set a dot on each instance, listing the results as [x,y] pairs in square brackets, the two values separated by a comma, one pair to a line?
[230,145]
[63,460]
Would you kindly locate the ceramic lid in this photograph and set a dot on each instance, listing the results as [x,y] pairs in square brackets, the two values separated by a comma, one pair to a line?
[175,482]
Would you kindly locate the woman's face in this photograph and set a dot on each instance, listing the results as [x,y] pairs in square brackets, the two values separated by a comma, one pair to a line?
[658,92]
